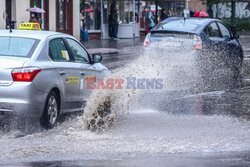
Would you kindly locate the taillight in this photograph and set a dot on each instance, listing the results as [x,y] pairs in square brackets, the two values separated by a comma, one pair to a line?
[25,74]
[197,42]
[146,41]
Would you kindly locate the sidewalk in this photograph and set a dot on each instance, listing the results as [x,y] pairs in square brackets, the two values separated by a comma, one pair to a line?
[111,45]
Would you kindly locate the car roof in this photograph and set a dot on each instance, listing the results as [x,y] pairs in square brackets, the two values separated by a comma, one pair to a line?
[202,21]
[37,34]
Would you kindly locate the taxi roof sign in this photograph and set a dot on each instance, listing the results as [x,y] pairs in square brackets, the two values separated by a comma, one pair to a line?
[29,26]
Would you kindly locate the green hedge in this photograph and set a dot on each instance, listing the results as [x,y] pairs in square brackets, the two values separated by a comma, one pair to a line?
[242,25]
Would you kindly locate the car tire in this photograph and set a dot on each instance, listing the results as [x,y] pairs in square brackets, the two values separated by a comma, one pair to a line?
[237,78]
[237,73]
[51,111]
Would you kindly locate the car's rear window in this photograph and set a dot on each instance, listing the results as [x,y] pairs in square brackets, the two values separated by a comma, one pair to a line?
[17,46]
[180,25]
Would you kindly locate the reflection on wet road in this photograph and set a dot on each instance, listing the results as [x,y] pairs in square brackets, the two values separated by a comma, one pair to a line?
[230,102]
[185,129]
[211,133]
[178,160]
[121,58]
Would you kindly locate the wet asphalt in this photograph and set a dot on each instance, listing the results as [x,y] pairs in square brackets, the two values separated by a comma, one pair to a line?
[234,103]
[234,159]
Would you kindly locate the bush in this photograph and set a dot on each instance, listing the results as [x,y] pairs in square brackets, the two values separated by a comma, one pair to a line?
[242,25]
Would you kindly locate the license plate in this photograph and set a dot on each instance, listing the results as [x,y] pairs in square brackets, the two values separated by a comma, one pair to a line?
[176,44]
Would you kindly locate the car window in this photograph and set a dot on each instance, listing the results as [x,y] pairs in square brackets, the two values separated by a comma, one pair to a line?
[212,30]
[179,25]
[58,51]
[224,31]
[17,46]
[79,53]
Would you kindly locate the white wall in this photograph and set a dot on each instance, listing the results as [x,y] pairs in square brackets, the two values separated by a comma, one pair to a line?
[2,14]
[76,19]
[19,13]
[52,15]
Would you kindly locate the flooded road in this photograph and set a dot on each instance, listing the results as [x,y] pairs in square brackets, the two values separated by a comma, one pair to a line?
[175,160]
[144,134]
[184,129]
[212,129]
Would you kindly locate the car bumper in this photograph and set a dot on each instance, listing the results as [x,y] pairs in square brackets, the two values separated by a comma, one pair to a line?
[22,98]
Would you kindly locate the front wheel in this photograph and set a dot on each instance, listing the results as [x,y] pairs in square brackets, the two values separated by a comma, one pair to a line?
[237,73]
[51,111]
[237,78]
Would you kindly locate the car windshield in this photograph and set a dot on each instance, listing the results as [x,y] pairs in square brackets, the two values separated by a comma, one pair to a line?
[17,46]
[180,25]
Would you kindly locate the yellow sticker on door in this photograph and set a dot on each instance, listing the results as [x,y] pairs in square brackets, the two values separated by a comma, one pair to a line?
[65,55]
[72,80]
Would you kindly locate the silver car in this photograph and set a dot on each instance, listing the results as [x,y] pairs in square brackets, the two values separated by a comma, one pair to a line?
[44,73]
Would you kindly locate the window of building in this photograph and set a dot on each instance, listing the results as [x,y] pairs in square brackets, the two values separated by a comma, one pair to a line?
[64,16]
[91,14]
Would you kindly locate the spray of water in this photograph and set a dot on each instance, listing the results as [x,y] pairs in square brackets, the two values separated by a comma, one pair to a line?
[159,61]
[145,131]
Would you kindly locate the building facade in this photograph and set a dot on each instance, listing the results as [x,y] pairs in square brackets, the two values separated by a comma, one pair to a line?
[68,16]
[61,15]
[197,5]
[132,15]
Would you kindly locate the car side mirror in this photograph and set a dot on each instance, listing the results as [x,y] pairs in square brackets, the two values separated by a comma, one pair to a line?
[234,31]
[96,58]
[236,36]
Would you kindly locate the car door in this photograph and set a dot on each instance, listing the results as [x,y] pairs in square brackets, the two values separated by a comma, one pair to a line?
[67,71]
[230,44]
[87,70]
[215,47]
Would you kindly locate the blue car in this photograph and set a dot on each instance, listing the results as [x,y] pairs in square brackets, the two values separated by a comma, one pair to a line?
[216,49]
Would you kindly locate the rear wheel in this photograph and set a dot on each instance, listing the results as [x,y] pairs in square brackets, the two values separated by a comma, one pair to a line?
[51,111]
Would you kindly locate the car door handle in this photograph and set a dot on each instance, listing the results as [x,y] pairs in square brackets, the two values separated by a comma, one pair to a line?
[62,72]
[82,73]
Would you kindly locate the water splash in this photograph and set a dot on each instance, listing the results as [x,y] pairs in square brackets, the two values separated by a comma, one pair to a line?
[177,69]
